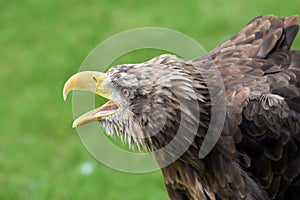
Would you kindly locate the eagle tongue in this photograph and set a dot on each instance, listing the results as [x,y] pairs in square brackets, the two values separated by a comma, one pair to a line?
[110,106]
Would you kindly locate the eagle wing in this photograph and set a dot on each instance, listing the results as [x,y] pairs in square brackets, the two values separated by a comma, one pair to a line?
[262,82]
[257,155]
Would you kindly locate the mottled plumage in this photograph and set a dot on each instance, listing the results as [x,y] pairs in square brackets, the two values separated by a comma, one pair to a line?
[257,155]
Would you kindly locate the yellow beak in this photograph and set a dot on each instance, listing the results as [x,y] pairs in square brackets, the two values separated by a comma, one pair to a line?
[94,82]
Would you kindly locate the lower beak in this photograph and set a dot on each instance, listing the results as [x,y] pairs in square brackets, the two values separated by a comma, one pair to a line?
[91,81]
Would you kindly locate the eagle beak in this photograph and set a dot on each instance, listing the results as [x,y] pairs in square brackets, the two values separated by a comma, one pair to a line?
[91,81]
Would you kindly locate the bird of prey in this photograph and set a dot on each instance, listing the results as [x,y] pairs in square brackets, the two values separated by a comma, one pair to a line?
[257,154]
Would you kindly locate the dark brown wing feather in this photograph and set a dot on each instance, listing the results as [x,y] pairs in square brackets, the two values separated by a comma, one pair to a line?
[257,156]
[270,121]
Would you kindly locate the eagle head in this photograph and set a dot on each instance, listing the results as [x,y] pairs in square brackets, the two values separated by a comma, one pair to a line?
[148,103]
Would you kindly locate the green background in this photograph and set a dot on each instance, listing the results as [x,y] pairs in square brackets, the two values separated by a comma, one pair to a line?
[43,43]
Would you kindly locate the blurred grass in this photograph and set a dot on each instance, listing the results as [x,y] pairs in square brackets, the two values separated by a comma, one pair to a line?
[43,43]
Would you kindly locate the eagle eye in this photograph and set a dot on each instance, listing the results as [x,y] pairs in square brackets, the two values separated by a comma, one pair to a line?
[126,92]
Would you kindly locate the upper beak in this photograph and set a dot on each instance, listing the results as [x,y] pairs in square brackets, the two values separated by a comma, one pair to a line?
[91,81]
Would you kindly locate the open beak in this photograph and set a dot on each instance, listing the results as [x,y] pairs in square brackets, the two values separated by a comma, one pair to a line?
[91,81]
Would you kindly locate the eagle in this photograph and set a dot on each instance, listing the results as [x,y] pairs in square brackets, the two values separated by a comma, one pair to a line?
[169,100]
